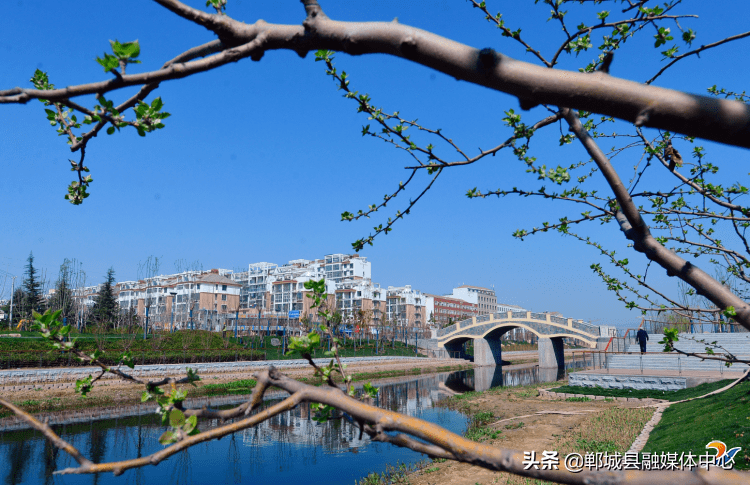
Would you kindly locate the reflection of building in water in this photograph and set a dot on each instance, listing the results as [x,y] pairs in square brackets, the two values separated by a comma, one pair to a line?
[297,427]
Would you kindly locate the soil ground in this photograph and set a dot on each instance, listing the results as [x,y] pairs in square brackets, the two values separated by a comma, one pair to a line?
[538,432]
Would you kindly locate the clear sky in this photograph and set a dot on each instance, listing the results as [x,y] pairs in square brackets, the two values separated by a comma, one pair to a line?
[259,159]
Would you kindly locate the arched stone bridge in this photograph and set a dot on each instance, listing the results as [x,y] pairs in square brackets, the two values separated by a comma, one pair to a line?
[486,331]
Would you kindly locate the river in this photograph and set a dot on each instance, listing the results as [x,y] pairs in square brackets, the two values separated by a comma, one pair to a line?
[290,448]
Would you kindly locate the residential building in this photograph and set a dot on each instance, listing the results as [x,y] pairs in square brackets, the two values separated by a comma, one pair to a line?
[444,310]
[483,298]
[200,298]
[360,295]
[339,267]
[504,307]
[405,306]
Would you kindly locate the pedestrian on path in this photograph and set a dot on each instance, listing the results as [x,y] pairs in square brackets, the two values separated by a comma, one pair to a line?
[642,337]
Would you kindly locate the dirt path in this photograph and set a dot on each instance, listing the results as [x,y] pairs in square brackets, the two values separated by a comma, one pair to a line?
[539,432]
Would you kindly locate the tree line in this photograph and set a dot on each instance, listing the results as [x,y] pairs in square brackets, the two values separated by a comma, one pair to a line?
[66,295]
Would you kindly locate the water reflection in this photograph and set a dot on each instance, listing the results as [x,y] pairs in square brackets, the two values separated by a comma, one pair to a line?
[483,378]
[289,448]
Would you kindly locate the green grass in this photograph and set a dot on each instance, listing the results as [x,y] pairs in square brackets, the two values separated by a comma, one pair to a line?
[348,350]
[645,393]
[480,434]
[691,425]
[478,430]
[578,399]
[178,347]
[597,446]
[235,387]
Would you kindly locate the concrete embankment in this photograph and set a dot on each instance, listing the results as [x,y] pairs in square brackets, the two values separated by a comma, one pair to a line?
[65,377]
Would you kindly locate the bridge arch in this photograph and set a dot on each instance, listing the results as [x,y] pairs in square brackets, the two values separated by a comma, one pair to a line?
[487,330]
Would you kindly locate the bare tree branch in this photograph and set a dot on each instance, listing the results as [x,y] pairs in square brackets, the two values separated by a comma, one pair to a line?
[696,52]
[722,120]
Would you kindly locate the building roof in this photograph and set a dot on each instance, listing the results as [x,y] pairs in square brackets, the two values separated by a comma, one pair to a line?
[452,298]
[215,278]
[509,305]
[477,287]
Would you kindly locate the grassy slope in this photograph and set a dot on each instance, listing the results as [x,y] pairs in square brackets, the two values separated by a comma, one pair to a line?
[691,425]
[187,340]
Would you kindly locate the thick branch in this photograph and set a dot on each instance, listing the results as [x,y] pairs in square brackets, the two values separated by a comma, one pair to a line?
[726,121]
[636,230]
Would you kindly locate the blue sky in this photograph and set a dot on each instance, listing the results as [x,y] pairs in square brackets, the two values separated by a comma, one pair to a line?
[259,159]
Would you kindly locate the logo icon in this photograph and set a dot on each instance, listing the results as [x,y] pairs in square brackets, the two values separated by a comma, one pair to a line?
[724,457]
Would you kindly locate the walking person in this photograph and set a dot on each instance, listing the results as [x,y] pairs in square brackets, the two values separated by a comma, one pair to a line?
[642,337]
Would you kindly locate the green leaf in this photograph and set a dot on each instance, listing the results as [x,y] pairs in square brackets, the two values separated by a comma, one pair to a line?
[108,62]
[126,51]
[127,359]
[190,424]
[176,418]
[84,385]
[110,130]
[168,438]
[370,390]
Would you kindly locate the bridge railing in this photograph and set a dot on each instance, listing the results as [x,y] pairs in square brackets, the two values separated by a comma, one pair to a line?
[600,360]
[542,317]
[586,327]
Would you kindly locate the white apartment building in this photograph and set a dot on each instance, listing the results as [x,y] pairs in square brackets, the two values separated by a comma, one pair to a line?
[86,295]
[275,290]
[361,294]
[504,307]
[339,267]
[179,297]
[405,306]
[484,298]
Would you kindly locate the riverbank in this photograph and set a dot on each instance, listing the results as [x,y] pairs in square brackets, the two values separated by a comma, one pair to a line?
[116,393]
[516,417]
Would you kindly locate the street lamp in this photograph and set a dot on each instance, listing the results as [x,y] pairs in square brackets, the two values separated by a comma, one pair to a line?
[174,300]
[12,290]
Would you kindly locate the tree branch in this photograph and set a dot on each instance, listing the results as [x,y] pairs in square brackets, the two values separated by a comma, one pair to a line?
[637,231]
[697,52]
[721,120]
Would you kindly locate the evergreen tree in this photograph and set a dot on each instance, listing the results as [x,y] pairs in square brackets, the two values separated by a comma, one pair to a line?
[32,288]
[106,307]
[63,297]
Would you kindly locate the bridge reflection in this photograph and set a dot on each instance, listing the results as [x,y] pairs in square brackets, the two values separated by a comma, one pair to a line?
[487,377]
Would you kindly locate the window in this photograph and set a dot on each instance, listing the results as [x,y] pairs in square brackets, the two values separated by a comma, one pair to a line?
[198,286]
[223,308]
[223,297]
[223,287]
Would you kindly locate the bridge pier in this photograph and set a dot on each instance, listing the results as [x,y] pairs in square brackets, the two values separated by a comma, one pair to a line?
[487,352]
[551,354]
[487,378]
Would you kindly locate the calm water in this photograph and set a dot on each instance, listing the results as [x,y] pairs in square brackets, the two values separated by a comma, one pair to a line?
[291,448]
